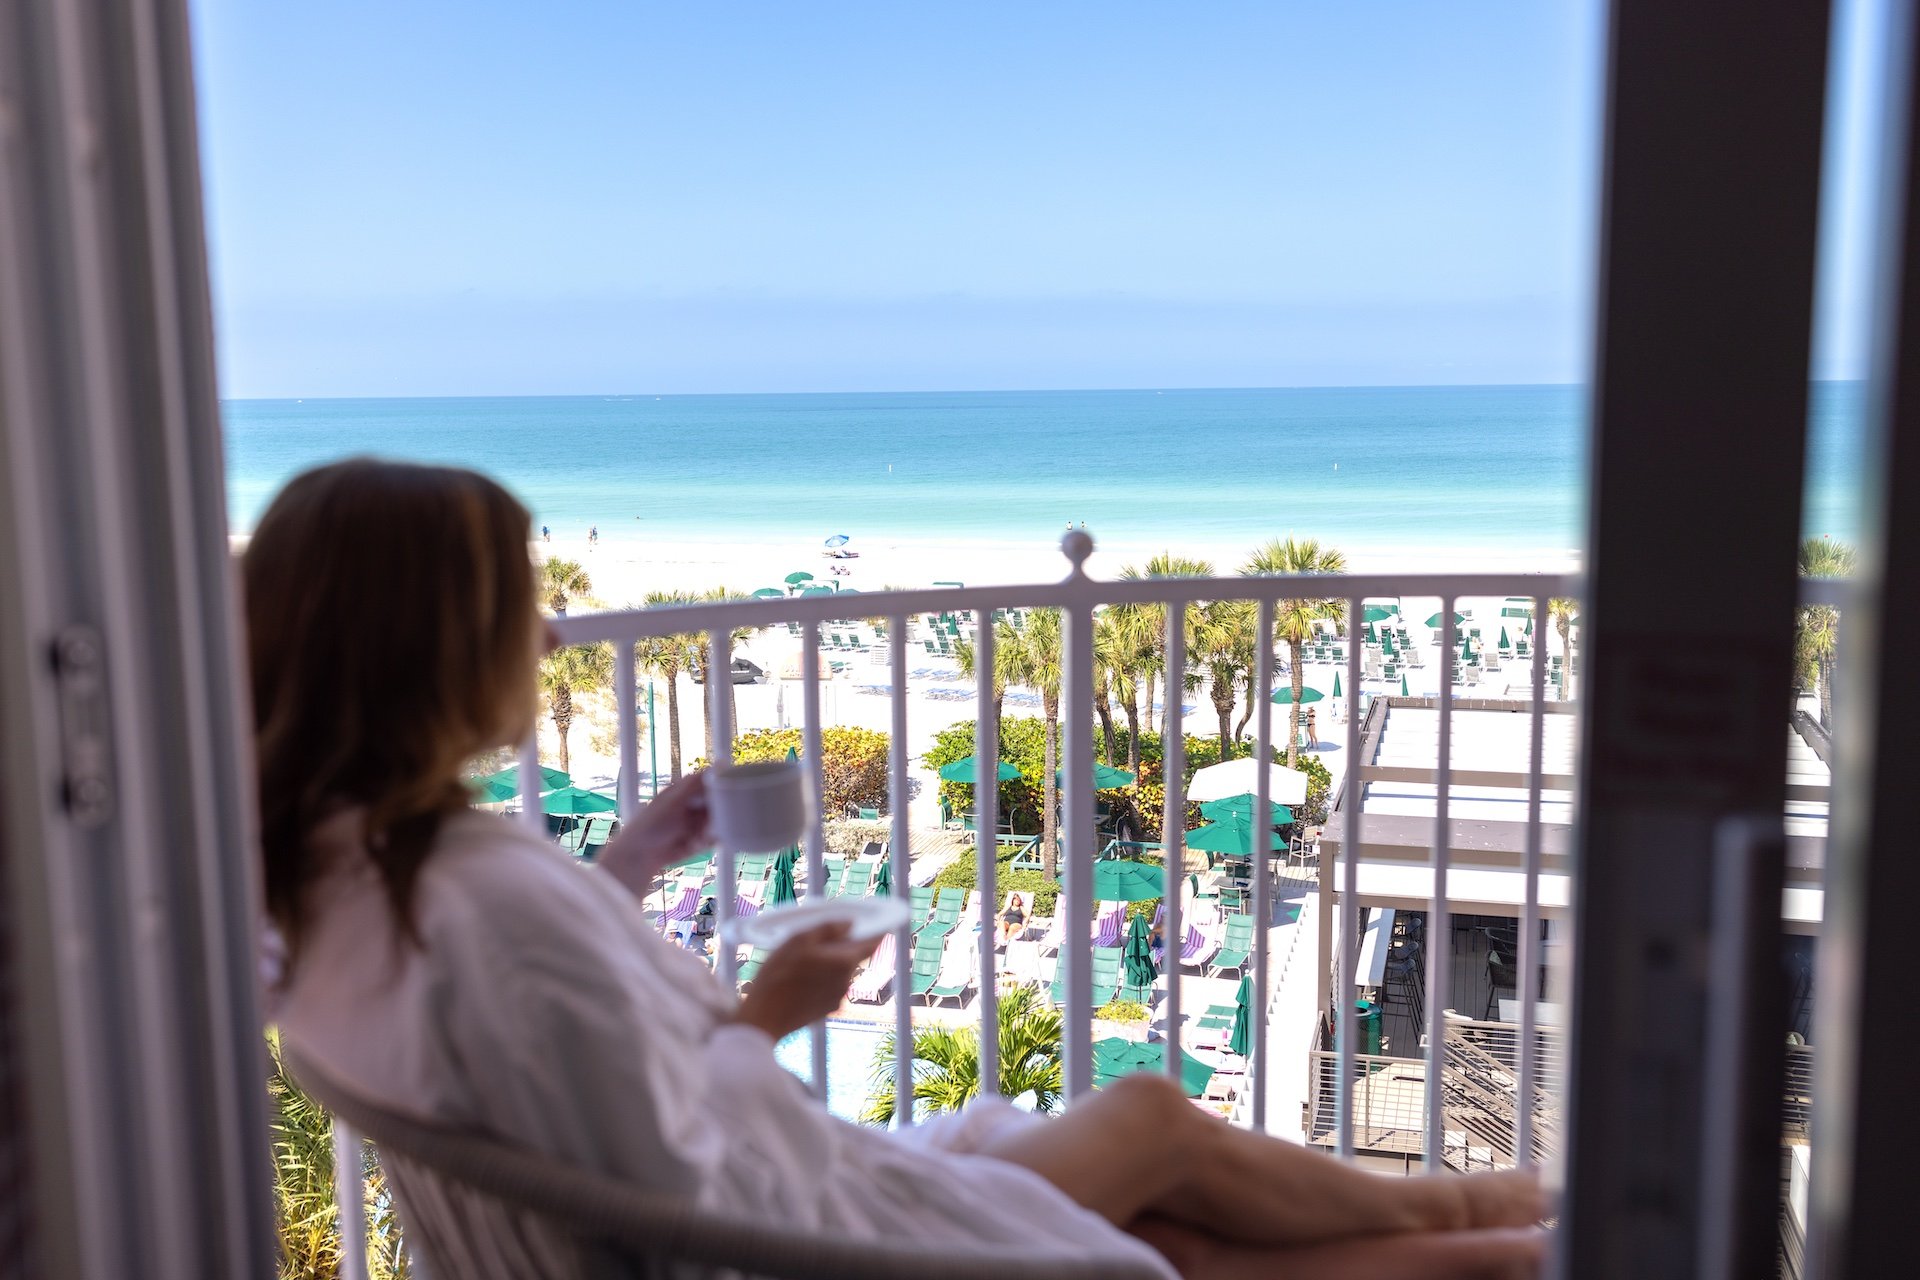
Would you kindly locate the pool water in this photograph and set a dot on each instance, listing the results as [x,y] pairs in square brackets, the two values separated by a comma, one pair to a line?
[850,1050]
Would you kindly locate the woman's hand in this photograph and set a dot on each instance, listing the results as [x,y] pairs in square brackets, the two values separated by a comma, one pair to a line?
[804,980]
[670,829]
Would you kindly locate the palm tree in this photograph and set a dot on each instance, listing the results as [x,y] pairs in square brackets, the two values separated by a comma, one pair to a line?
[1006,661]
[1037,664]
[1223,642]
[560,580]
[667,657]
[569,672]
[739,636]
[1293,620]
[946,1068]
[1151,619]
[1562,612]
[1816,640]
[1122,659]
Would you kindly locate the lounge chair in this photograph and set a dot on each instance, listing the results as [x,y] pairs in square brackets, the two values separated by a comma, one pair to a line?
[859,879]
[1110,925]
[928,956]
[750,967]
[478,1207]
[1235,947]
[958,969]
[872,982]
[1052,931]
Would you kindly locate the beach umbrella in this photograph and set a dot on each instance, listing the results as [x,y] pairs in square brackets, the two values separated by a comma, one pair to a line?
[883,879]
[1123,880]
[1137,959]
[505,785]
[797,577]
[1336,684]
[1114,1057]
[1505,647]
[1242,778]
[1284,695]
[1374,613]
[1403,685]
[768,593]
[1105,777]
[838,540]
[784,889]
[573,801]
[1436,619]
[1241,1040]
[816,591]
[1241,807]
[963,770]
[1232,836]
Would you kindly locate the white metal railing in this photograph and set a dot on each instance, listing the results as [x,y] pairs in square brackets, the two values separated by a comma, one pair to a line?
[1079,597]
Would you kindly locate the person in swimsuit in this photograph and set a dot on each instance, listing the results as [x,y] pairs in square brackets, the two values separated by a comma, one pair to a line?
[1013,921]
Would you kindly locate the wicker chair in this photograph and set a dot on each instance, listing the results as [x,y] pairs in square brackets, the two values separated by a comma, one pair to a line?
[476,1207]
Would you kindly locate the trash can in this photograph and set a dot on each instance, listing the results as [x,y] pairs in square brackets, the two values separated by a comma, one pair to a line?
[1366,1019]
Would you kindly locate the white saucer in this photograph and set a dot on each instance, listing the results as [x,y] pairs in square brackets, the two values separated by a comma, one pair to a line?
[864,918]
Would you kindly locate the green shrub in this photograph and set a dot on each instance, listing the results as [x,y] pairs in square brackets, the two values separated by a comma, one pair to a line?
[854,762]
[964,873]
[1124,1011]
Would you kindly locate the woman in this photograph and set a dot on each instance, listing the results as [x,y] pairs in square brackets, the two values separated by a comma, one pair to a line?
[451,964]
[1013,921]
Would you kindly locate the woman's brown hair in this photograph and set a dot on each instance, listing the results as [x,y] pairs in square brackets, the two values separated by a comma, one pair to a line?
[392,630]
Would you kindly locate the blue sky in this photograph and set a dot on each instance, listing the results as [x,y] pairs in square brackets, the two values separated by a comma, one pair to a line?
[482,198]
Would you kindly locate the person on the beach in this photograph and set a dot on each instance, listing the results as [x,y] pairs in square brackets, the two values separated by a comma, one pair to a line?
[1313,732]
[454,965]
[546,534]
[593,536]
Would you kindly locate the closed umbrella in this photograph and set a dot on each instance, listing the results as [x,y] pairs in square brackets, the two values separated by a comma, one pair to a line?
[963,770]
[784,889]
[1114,1057]
[1283,696]
[883,882]
[1123,880]
[1336,684]
[1241,1041]
[1137,959]
[1241,807]
[1403,685]
[1234,836]
[573,801]
[1505,647]
[505,785]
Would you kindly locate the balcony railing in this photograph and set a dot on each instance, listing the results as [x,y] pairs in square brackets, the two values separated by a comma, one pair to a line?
[1079,598]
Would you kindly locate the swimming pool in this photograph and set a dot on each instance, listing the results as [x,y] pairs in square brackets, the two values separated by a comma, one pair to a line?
[850,1050]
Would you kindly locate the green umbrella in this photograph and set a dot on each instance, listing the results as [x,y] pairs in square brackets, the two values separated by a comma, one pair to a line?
[1114,1057]
[1374,613]
[816,591]
[768,593]
[1105,777]
[1241,1041]
[1284,695]
[1137,959]
[1504,645]
[1123,880]
[1435,620]
[794,579]
[784,889]
[883,881]
[1229,835]
[962,770]
[1241,808]
[573,801]
[1403,685]
[505,785]
[1336,684]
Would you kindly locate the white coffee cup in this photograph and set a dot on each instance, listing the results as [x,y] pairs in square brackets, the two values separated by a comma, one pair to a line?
[759,807]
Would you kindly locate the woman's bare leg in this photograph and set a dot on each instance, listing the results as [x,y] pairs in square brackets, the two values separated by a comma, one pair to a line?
[1139,1147]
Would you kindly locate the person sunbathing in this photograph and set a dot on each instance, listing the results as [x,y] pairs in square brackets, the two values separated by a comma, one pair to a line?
[453,965]
[1013,920]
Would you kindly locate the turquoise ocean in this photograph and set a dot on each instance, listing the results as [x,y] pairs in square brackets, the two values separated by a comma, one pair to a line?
[1495,469]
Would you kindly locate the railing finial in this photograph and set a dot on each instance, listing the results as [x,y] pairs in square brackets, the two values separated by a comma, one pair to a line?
[1076,545]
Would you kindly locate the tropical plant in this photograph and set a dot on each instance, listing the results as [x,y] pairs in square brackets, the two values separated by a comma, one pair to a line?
[667,657]
[1223,642]
[1007,660]
[946,1066]
[1151,619]
[1123,665]
[1294,620]
[853,762]
[737,637]
[568,674]
[1562,612]
[560,580]
[1038,663]
[1038,892]
[1816,638]
[1124,1011]
[309,1214]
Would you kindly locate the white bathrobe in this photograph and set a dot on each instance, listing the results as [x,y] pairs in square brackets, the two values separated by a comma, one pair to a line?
[542,1007]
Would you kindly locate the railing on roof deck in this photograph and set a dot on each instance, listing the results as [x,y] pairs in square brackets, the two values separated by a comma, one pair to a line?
[1079,597]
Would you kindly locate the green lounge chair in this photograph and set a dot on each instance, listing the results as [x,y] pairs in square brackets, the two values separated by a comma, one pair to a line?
[1235,947]
[750,967]
[859,879]
[834,869]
